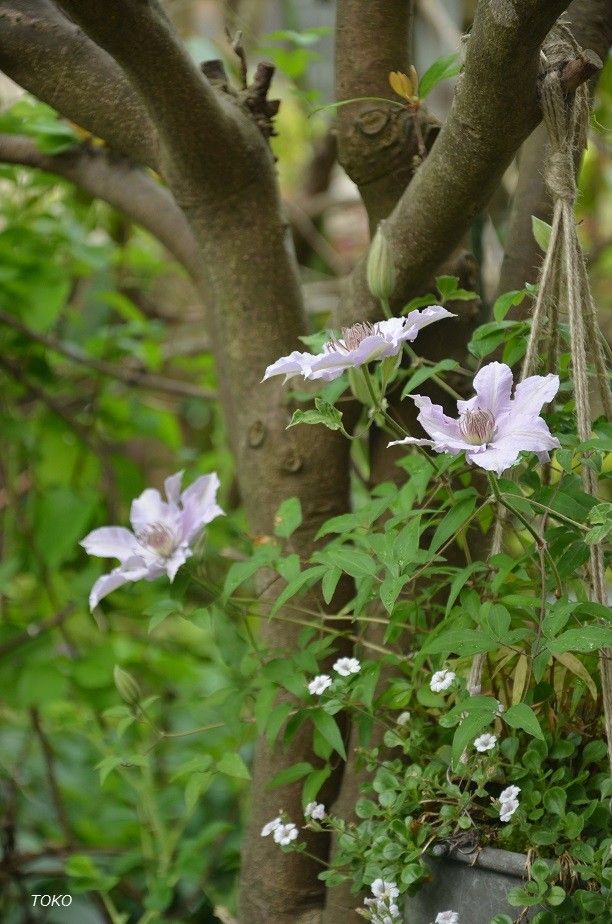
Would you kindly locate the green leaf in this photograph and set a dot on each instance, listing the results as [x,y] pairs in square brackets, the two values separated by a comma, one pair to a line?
[232,764]
[522,716]
[453,522]
[462,641]
[555,896]
[555,799]
[541,232]
[459,582]
[196,784]
[448,287]
[426,372]
[444,68]
[241,571]
[330,582]
[288,517]
[468,731]
[324,413]
[314,782]
[507,301]
[328,728]
[290,775]
[303,581]
[161,610]
[585,639]
[352,561]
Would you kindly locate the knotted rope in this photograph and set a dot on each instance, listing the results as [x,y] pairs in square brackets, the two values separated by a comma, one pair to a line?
[563,287]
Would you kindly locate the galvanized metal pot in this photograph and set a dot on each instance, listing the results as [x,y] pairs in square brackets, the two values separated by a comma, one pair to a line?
[473,884]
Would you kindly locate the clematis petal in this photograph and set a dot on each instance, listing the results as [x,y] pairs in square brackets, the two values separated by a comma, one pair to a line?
[105,585]
[515,434]
[493,387]
[110,542]
[177,560]
[531,394]
[199,505]
[410,441]
[443,430]
[295,364]
[418,319]
[148,509]
[172,487]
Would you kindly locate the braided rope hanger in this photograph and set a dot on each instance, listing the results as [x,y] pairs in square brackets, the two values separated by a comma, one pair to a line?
[563,287]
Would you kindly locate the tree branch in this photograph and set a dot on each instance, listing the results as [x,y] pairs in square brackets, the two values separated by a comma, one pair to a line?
[376,142]
[47,54]
[197,126]
[123,185]
[591,25]
[495,108]
[222,175]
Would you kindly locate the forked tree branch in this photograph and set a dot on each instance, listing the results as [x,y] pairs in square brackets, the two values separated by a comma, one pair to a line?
[132,190]
[377,142]
[47,54]
[494,110]
[197,126]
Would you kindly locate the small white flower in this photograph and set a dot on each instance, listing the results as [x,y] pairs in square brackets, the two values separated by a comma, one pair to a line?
[315,810]
[284,834]
[442,680]
[381,889]
[510,793]
[271,826]
[485,742]
[507,809]
[403,718]
[319,684]
[347,666]
[500,708]
[447,917]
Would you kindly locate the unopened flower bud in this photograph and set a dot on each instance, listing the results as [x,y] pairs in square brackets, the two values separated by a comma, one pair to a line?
[127,687]
[381,268]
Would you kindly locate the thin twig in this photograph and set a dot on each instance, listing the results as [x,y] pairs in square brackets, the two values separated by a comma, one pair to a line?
[129,376]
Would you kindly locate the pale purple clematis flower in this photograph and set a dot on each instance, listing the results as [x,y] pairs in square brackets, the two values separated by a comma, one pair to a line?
[493,427]
[360,344]
[162,537]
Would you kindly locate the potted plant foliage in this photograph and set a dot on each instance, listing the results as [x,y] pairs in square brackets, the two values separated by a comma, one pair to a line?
[477,692]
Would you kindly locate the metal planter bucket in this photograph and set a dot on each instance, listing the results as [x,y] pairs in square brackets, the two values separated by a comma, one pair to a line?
[473,884]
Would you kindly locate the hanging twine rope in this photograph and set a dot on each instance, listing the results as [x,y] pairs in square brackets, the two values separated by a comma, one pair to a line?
[563,288]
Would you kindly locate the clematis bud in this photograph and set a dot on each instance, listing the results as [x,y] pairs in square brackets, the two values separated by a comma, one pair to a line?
[127,687]
[381,268]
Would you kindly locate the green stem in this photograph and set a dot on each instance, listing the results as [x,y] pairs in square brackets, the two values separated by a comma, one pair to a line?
[418,361]
[376,406]
[539,540]
[386,307]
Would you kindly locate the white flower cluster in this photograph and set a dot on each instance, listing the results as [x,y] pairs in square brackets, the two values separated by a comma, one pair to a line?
[282,832]
[447,917]
[315,810]
[485,742]
[508,802]
[383,908]
[343,666]
[441,681]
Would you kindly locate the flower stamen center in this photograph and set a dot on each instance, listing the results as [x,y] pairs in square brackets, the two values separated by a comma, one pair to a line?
[477,427]
[351,337]
[159,539]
